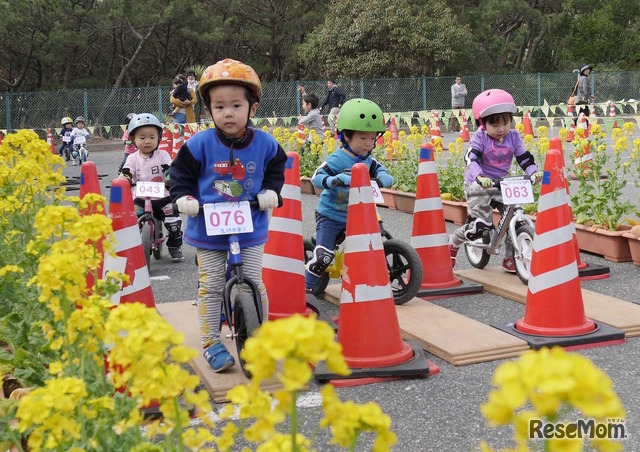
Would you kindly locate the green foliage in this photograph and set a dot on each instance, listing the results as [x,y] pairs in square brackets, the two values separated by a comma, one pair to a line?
[405,170]
[451,172]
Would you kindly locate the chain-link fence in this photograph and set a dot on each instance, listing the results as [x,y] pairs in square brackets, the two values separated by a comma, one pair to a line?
[106,107]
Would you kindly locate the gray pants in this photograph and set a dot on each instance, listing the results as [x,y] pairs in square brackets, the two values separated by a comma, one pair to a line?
[332,118]
[479,206]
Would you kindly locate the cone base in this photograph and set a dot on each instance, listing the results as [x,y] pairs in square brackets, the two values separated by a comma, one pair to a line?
[402,356]
[347,383]
[417,365]
[441,285]
[587,327]
[306,312]
[592,272]
[462,287]
[603,335]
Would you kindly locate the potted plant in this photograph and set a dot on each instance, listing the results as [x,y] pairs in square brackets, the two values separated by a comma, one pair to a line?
[598,206]
[633,235]
[404,169]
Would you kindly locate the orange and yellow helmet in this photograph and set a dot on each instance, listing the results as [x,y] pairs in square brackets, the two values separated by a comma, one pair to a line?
[230,71]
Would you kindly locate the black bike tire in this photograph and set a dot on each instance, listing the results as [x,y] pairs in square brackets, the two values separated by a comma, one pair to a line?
[323,281]
[157,253]
[145,234]
[413,264]
[525,228]
[245,323]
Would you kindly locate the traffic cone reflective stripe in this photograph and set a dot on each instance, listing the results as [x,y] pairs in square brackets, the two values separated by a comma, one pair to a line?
[164,142]
[177,141]
[283,258]
[393,129]
[464,130]
[335,128]
[612,110]
[571,134]
[128,245]
[187,133]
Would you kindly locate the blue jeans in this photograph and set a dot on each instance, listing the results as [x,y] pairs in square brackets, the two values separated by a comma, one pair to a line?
[179,118]
[326,232]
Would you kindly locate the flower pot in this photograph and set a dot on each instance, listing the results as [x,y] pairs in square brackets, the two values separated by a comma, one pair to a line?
[634,246]
[455,211]
[610,244]
[389,198]
[306,187]
[405,202]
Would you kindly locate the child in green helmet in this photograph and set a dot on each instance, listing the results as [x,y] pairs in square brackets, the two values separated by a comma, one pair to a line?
[359,125]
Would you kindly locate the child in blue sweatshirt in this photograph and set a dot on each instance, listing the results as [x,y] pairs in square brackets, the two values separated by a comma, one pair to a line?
[359,125]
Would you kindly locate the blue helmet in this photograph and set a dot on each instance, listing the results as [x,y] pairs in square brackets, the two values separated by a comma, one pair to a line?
[144,119]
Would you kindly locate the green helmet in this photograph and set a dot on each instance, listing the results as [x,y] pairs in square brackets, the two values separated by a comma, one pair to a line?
[66,120]
[361,115]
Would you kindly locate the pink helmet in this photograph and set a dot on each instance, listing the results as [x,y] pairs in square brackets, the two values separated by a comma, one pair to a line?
[490,102]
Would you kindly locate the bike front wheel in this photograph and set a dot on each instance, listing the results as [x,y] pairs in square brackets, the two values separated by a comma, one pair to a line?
[245,321]
[145,233]
[405,270]
[478,257]
[524,242]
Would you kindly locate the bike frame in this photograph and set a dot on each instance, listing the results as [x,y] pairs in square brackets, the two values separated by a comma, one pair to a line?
[147,217]
[511,215]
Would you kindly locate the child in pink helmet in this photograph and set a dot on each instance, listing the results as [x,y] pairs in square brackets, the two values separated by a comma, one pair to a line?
[491,152]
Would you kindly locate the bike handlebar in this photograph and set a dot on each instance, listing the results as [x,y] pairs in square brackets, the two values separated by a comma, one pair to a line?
[253,203]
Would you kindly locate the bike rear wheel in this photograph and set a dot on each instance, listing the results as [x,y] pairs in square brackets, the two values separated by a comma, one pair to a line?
[405,270]
[524,240]
[323,282]
[145,234]
[245,321]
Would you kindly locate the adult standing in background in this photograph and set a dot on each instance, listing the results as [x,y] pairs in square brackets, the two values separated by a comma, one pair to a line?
[334,100]
[458,93]
[192,83]
[583,93]
[184,107]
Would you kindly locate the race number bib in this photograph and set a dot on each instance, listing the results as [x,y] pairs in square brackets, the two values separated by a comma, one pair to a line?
[80,139]
[66,138]
[516,190]
[149,189]
[226,218]
[377,195]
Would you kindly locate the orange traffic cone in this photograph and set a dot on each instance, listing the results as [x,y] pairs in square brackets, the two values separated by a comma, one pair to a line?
[571,135]
[570,110]
[283,258]
[586,271]
[89,183]
[429,235]
[324,129]
[612,110]
[526,121]
[464,130]
[368,330]
[50,141]
[393,129]
[335,129]
[301,135]
[554,313]
[435,130]
[592,119]
[582,123]
[128,245]
[164,142]
[187,133]
[177,141]
[615,126]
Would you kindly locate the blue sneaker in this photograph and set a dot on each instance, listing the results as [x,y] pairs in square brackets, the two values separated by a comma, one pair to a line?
[218,357]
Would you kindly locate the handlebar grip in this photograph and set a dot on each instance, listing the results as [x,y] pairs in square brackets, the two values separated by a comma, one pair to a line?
[253,203]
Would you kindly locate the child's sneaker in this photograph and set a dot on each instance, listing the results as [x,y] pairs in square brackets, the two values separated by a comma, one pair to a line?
[453,252]
[74,163]
[176,254]
[218,357]
[509,265]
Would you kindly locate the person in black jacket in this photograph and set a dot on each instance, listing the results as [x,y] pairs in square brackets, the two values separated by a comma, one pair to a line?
[334,100]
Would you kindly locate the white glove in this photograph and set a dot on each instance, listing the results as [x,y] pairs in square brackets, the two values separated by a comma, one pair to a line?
[267,199]
[189,205]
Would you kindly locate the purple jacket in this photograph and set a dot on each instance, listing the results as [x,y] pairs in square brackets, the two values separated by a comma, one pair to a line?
[493,158]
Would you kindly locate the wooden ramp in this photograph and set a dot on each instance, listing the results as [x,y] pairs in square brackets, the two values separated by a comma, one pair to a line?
[183,316]
[621,314]
[455,338]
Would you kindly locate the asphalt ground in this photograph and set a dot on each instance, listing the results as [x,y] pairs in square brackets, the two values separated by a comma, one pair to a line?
[442,412]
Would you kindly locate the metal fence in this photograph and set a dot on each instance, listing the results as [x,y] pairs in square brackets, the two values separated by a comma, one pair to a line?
[44,109]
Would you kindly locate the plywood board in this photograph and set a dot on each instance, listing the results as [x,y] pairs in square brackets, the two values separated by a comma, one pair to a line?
[183,316]
[451,336]
[603,308]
